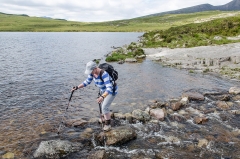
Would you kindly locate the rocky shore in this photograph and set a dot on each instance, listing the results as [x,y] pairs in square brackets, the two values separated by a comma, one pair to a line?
[197,125]
[223,60]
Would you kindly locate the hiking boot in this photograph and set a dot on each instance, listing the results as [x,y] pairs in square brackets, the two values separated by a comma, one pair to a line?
[107,127]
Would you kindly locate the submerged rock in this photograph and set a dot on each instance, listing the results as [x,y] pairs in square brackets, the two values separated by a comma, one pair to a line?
[118,135]
[193,96]
[56,148]
[76,122]
[141,115]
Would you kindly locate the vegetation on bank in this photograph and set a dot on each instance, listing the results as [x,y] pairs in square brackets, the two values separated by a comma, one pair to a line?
[217,31]
[24,23]
[131,51]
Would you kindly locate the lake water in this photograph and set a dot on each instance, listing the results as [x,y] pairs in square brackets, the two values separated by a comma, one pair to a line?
[39,69]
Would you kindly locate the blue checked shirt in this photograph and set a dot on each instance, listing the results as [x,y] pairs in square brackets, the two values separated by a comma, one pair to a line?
[105,85]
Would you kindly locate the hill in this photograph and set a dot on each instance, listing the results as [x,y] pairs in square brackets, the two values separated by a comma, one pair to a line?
[9,22]
[231,6]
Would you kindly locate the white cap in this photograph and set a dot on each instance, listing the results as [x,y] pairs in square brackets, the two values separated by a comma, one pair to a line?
[90,67]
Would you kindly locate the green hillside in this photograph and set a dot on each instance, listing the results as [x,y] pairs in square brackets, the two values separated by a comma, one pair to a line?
[34,24]
[218,31]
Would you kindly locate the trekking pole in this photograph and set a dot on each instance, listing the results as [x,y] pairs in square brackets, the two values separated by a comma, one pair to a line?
[100,110]
[65,110]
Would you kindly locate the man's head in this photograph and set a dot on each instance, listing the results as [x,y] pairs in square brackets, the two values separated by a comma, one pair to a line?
[90,66]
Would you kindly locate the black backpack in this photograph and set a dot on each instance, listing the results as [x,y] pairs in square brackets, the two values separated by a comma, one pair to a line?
[111,71]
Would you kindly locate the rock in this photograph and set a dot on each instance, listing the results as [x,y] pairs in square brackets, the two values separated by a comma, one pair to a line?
[193,96]
[76,122]
[236,98]
[140,56]
[200,120]
[202,142]
[118,135]
[129,117]
[184,101]
[234,90]
[223,105]
[176,106]
[209,111]
[56,148]
[177,117]
[224,97]
[97,154]
[8,155]
[130,60]
[87,133]
[119,116]
[140,115]
[120,62]
[235,112]
[157,113]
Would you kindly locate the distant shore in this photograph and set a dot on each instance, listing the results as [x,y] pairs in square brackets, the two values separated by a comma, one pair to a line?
[221,59]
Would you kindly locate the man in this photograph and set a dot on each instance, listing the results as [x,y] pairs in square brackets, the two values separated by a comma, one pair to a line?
[107,90]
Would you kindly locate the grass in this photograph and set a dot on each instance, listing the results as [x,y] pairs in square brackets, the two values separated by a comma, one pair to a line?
[34,24]
[191,35]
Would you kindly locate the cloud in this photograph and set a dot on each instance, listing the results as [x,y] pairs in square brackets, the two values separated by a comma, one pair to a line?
[96,10]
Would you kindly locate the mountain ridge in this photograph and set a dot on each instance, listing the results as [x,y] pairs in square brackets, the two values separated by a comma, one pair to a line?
[231,6]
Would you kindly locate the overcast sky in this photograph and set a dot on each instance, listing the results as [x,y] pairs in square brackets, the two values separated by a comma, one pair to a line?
[97,10]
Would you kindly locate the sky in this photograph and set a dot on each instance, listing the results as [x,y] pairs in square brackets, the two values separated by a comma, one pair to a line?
[97,10]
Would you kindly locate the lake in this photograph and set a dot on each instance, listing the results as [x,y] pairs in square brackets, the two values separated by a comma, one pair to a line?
[38,71]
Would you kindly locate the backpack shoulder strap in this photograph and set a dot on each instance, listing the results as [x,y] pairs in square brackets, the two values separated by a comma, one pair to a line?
[101,72]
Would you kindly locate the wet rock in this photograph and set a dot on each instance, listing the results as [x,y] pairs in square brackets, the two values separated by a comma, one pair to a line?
[130,60]
[87,133]
[178,118]
[8,155]
[56,148]
[224,97]
[93,120]
[129,117]
[140,56]
[209,111]
[235,112]
[100,154]
[193,96]
[184,101]
[157,113]
[223,105]
[200,120]
[236,98]
[176,106]
[234,90]
[118,135]
[140,115]
[202,142]
[76,122]
[119,116]
[120,62]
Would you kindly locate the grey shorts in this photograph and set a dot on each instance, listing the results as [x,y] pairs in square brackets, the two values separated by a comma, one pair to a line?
[106,103]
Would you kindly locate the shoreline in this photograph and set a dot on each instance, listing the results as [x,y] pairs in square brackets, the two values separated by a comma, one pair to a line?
[223,60]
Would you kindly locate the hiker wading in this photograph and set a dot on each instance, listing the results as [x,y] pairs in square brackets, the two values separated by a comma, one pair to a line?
[107,91]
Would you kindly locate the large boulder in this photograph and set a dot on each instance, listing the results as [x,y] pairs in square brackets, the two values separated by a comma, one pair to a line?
[141,115]
[234,90]
[193,96]
[116,136]
[56,148]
